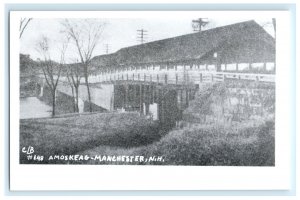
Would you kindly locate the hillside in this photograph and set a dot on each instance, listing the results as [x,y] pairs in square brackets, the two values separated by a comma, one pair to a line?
[28,67]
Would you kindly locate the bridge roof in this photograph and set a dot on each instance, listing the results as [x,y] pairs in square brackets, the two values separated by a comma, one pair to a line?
[188,47]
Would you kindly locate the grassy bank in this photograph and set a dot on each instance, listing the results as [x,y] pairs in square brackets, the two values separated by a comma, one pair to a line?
[245,145]
[69,135]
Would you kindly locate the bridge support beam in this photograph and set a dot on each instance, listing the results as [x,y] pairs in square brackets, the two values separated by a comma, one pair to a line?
[41,91]
[187,98]
[141,98]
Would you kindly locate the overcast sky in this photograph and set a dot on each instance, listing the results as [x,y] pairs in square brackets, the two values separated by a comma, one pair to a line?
[118,33]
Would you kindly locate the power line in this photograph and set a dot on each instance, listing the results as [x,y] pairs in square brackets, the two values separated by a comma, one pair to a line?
[199,23]
[141,35]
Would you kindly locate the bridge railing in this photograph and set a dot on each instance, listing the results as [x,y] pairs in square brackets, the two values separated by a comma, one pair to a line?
[175,76]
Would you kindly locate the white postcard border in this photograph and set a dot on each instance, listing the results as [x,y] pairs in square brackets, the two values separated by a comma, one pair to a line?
[104,177]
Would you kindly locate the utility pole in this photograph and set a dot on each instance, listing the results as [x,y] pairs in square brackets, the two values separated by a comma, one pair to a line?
[106,46]
[199,23]
[141,35]
[274,26]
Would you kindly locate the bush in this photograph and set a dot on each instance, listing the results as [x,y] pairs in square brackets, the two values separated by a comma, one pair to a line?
[243,146]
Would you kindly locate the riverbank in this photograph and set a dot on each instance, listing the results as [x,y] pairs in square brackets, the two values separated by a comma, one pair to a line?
[251,144]
[109,135]
[72,134]
[225,125]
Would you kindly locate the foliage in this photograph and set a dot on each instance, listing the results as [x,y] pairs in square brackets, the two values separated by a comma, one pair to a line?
[245,146]
[28,67]
[231,101]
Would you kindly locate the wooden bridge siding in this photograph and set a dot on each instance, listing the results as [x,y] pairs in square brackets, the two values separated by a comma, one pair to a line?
[174,77]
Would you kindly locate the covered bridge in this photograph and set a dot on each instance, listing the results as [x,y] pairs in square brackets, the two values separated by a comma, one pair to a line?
[244,47]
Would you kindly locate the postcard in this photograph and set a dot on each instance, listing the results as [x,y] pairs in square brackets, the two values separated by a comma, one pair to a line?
[149,100]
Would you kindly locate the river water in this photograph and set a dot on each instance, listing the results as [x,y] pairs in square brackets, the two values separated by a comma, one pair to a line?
[32,107]
[161,103]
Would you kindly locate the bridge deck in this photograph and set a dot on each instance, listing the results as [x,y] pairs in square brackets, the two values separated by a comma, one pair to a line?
[175,77]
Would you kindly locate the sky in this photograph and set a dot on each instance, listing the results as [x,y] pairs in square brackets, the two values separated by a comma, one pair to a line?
[117,33]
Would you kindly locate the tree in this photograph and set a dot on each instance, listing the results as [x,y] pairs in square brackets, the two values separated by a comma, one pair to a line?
[74,75]
[85,35]
[51,70]
[23,24]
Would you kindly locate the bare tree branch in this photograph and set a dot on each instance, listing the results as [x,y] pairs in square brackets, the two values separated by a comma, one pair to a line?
[51,70]
[23,24]
[85,35]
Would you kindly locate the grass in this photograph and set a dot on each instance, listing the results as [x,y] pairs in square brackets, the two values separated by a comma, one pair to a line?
[244,146]
[70,135]
[250,144]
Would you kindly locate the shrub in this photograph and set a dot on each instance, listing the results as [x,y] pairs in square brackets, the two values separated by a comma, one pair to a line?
[242,146]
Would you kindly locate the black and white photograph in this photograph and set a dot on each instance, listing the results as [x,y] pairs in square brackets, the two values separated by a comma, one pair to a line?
[142,91]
